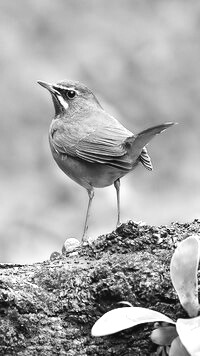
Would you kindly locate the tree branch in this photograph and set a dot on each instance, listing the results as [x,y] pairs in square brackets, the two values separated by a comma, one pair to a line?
[49,308]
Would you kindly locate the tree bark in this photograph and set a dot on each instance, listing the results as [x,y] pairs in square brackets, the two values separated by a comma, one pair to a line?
[49,308]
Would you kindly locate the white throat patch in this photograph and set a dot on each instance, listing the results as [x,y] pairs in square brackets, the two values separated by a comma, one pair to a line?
[63,103]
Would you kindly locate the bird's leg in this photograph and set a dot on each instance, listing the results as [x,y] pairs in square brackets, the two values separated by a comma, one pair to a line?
[91,196]
[117,187]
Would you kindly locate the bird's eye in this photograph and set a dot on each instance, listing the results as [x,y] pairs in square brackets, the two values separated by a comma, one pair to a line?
[71,94]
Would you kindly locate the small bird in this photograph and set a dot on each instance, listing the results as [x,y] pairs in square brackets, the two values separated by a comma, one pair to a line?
[91,146]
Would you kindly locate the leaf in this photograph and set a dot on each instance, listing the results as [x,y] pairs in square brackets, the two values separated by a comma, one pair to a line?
[164,335]
[189,333]
[123,318]
[183,271]
[125,303]
[177,348]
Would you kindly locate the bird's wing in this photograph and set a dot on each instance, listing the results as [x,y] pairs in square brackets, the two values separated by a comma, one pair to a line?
[102,141]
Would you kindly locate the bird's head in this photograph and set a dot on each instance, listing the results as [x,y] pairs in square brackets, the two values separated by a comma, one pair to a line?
[71,96]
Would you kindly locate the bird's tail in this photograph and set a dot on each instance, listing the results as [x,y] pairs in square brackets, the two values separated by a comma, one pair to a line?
[142,138]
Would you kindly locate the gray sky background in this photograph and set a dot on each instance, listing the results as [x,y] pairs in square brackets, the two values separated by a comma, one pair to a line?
[141,58]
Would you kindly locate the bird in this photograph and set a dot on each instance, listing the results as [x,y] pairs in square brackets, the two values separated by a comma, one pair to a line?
[89,145]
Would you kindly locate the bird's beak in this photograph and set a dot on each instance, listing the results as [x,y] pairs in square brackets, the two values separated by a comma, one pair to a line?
[49,87]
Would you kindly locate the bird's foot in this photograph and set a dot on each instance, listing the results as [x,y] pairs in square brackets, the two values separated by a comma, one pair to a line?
[118,224]
[84,238]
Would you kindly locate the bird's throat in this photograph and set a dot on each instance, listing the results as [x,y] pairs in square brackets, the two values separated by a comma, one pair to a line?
[60,104]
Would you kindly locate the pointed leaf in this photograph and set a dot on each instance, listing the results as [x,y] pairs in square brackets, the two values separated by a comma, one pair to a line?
[189,333]
[183,271]
[123,318]
[177,348]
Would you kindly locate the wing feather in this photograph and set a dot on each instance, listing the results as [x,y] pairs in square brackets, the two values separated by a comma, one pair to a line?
[103,142]
[99,138]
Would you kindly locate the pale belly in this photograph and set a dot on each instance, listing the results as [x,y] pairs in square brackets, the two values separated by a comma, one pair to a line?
[88,174]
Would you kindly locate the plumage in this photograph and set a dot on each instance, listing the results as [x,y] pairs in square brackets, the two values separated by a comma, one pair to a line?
[90,145]
[145,159]
[93,135]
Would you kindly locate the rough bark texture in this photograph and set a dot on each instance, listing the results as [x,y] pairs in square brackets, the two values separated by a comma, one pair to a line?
[49,308]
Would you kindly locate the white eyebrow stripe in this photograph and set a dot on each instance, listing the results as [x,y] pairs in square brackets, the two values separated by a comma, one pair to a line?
[65,88]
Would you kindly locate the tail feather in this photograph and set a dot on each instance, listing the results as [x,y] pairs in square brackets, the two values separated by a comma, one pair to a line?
[145,136]
[142,138]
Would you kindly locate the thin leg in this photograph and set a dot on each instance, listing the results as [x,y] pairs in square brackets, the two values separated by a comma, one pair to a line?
[117,187]
[91,196]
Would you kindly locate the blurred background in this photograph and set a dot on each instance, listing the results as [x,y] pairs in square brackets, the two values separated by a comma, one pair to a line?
[142,60]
